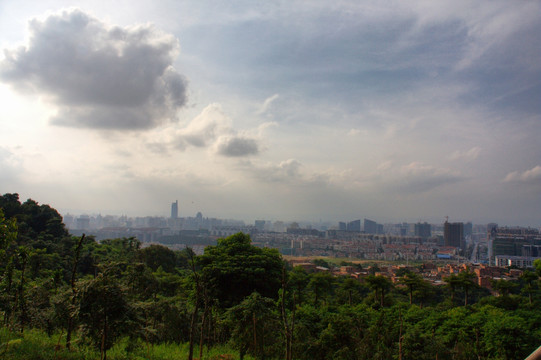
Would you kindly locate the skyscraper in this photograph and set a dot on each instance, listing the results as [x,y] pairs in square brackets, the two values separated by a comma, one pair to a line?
[453,234]
[370,227]
[423,230]
[511,241]
[174,210]
[468,229]
[354,226]
[260,225]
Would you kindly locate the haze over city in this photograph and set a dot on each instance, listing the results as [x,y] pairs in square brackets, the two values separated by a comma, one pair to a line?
[397,111]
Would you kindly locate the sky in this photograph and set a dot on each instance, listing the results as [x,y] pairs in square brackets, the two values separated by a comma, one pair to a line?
[278,110]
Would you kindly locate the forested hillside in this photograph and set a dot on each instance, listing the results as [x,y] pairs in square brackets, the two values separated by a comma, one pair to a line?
[64,297]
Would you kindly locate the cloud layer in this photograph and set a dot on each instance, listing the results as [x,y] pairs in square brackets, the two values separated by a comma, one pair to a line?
[532,176]
[334,110]
[99,76]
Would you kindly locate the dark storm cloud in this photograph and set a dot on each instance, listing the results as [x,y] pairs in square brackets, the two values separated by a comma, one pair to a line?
[99,76]
[237,146]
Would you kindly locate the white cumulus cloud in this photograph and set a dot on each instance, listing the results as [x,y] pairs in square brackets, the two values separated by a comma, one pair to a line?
[98,75]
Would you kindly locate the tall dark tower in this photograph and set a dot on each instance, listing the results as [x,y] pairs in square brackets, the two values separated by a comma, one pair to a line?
[174,210]
[453,234]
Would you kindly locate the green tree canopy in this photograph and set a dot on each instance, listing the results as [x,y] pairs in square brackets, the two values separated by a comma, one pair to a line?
[34,220]
[250,321]
[380,284]
[234,268]
[103,310]
[8,233]
[155,256]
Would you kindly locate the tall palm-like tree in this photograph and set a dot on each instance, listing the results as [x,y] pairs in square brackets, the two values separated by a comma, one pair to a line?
[529,277]
[413,281]
[467,282]
[503,287]
[380,284]
[453,281]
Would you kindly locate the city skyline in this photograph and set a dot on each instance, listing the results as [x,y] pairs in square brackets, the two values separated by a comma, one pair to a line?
[419,228]
[304,111]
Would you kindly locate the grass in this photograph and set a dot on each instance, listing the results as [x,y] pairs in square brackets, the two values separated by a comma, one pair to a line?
[37,345]
[32,345]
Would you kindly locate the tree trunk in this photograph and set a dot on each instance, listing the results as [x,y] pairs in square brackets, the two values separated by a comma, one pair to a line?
[192,329]
[104,340]
[73,291]
[287,329]
[21,295]
[8,274]
[202,332]
[292,326]
[255,335]
[400,338]
[196,307]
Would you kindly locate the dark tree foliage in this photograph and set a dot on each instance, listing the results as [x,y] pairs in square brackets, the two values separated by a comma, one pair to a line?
[104,312]
[155,256]
[35,221]
[322,263]
[250,322]
[235,268]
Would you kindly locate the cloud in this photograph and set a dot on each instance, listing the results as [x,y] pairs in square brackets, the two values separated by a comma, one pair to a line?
[11,166]
[417,177]
[290,167]
[466,155]
[529,176]
[414,177]
[205,127]
[237,146]
[99,76]
[267,103]
[213,129]
[503,36]
[287,171]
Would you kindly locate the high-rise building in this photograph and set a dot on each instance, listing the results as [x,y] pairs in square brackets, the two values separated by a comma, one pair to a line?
[370,227]
[354,226]
[260,225]
[491,227]
[531,250]
[453,234]
[404,229]
[468,229]
[423,230]
[174,210]
[512,241]
[342,226]
[83,222]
